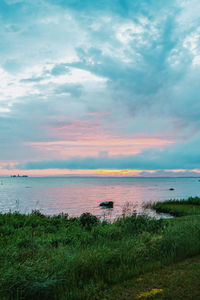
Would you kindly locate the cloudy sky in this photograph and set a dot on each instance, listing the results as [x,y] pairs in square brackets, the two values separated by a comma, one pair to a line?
[100,87]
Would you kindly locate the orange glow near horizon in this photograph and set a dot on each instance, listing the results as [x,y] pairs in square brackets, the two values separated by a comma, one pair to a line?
[121,172]
[81,172]
[88,172]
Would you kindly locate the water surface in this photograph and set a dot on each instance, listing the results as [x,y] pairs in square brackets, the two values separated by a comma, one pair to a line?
[75,195]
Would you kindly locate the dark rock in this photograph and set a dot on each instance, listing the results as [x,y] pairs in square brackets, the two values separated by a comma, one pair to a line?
[171,189]
[108,204]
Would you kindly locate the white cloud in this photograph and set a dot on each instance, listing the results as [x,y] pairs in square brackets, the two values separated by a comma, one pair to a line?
[127,32]
[192,43]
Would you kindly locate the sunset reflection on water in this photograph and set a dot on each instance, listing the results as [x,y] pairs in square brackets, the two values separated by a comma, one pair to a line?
[77,195]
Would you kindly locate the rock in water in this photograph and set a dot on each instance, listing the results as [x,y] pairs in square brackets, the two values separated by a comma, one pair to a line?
[108,204]
[171,189]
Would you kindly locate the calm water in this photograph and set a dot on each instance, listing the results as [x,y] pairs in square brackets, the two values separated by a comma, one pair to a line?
[77,195]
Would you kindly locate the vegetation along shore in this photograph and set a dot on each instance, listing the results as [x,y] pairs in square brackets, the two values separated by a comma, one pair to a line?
[58,257]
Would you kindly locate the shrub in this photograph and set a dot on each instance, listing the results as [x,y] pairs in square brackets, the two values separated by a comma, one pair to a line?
[88,220]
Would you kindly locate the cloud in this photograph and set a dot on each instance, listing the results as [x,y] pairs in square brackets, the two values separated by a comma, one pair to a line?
[74,89]
[33,79]
[59,69]
[147,160]
[138,61]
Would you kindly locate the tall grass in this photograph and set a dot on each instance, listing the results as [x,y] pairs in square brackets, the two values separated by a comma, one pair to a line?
[177,207]
[188,201]
[76,258]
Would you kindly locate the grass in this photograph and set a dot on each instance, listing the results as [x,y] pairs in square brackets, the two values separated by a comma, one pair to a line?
[78,258]
[178,281]
[178,208]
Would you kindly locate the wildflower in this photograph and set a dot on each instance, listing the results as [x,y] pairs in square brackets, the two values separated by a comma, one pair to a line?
[151,293]
[139,279]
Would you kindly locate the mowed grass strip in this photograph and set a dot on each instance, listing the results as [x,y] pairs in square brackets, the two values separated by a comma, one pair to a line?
[175,282]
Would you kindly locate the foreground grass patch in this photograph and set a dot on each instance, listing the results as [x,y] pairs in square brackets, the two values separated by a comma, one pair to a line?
[77,258]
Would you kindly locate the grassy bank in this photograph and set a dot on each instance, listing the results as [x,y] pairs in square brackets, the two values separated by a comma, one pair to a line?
[77,258]
[178,208]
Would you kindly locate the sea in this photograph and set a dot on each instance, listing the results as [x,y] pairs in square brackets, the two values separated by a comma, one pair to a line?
[76,195]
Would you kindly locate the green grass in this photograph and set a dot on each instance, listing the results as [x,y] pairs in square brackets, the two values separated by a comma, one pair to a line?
[175,282]
[178,208]
[78,258]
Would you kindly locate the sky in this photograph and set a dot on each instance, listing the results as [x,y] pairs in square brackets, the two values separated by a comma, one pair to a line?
[101,88]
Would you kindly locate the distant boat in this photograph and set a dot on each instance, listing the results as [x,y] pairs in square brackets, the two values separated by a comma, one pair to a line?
[18,175]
